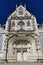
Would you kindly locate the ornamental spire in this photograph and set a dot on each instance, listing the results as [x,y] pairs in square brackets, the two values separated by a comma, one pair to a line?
[25,6]
[16,5]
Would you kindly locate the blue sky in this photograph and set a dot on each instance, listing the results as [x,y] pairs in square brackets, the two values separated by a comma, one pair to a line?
[33,6]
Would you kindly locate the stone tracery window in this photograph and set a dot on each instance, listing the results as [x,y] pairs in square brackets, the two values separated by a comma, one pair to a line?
[20,25]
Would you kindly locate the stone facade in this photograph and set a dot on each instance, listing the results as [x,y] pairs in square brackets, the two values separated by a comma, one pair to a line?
[21,38]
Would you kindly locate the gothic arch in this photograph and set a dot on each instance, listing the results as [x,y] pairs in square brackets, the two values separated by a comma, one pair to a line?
[29,38]
[32,37]
[15,39]
[21,23]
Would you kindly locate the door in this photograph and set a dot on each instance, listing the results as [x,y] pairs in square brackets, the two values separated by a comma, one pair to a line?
[19,56]
[25,56]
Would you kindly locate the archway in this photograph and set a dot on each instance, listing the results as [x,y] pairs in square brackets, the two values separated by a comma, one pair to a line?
[20,48]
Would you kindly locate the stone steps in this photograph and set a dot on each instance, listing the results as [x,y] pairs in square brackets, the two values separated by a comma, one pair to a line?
[21,63]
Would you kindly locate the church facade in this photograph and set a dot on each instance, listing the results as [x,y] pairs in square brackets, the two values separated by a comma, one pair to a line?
[20,38]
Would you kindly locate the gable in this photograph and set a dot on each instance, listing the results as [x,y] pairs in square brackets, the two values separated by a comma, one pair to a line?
[21,11]
[21,14]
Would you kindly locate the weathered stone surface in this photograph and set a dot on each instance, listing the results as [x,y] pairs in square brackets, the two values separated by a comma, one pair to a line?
[21,38]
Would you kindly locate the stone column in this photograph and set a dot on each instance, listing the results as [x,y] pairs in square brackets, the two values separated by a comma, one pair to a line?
[29,46]
[15,54]
[39,51]
[22,54]
[29,52]
[5,50]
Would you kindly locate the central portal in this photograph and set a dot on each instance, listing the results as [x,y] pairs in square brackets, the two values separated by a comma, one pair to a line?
[19,56]
[20,49]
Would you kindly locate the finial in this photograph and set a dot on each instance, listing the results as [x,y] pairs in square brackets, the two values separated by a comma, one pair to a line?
[16,5]
[25,6]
